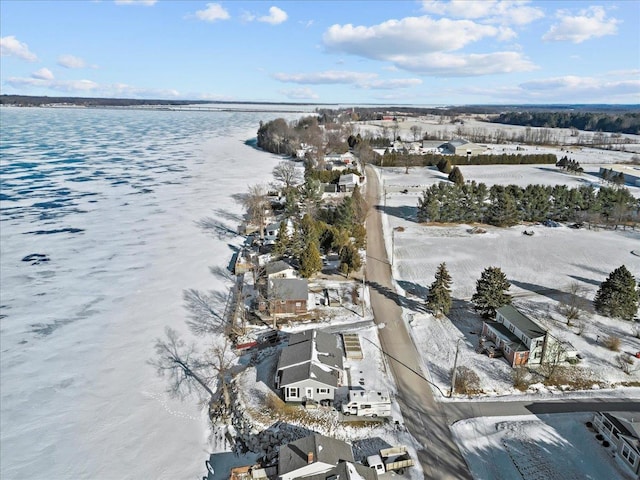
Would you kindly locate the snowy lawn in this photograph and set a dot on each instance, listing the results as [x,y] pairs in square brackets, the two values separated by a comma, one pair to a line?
[540,268]
[553,447]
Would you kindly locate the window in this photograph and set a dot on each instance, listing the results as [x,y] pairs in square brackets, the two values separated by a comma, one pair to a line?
[322,390]
[539,343]
[607,425]
[511,328]
[293,392]
[298,304]
[628,454]
[537,355]
[506,349]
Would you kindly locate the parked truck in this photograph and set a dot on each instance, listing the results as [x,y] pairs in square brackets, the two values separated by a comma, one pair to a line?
[391,459]
[367,404]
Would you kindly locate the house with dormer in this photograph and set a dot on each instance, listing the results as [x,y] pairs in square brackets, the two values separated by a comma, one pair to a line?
[317,457]
[310,367]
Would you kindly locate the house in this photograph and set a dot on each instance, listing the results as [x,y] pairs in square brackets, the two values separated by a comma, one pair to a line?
[622,431]
[280,269]
[317,457]
[463,147]
[287,296]
[310,367]
[522,340]
[348,182]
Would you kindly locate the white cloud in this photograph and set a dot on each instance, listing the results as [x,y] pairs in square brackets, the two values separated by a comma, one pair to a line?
[146,3]
[300,94]
[83,87]
[411,35]
[360,79]
[589,23]
[67,86]
[392,84]
[212,13]
[70,61]
[247,16]
[327,77]
[567,89]
[463,65]
[506,12]
[275,17]
[43,74]
[11,46]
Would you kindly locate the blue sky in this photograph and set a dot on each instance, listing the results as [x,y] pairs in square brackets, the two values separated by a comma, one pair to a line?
[412,52]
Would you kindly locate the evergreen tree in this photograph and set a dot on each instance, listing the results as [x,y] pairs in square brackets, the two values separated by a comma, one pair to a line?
[617,295]
[502,211]
[281,244]
[310,261]
[491,292]
[439,296]
[349,259]
[456,176]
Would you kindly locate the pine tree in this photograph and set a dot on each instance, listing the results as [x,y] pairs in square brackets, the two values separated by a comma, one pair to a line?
[491,292]
[349,259]
[617,295]
[281,244]
[310,261]
[439,296]
[456,176]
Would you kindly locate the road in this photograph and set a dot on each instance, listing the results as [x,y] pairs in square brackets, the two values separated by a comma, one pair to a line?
[424,417]
[429,420]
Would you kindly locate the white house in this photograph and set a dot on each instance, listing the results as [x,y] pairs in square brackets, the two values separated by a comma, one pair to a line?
[348,182]
[622,430]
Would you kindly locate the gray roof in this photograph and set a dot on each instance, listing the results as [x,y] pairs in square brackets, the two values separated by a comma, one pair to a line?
[515,342]
[312,346]
[294,455]
[306,372]
[458,142]
[347,471]
[523,323]
[277,266]
[288,289]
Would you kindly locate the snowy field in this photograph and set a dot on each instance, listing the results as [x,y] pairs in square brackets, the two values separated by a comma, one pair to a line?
[552,447]
[540,268]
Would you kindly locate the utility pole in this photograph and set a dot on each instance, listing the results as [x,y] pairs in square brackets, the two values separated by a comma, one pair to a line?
[363,292]
[455,366]
[393,245]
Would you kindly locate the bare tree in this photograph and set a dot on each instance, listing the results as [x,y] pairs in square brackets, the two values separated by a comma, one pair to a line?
[573,305]
[180,363]
[258,206]
[206,311]
[416,130]
[287,174]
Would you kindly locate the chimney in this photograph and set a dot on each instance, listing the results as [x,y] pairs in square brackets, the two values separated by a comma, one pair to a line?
[309,457]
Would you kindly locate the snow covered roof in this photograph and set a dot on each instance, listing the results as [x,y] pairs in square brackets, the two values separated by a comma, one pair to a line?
[295,455]
[312,346]
[308,371]
[277,267]
[512,339]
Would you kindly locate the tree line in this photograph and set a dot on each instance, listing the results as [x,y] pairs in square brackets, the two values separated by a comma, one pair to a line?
[394,158]
[628,122]
[505,206]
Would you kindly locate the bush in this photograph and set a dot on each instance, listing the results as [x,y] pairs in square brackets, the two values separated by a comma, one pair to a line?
[612,343]
[467,381]
[605,444]
[589,425]
[599,437]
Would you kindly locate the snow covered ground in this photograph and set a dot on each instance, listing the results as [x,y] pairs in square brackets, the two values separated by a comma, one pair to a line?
[540,268]
[553,447]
